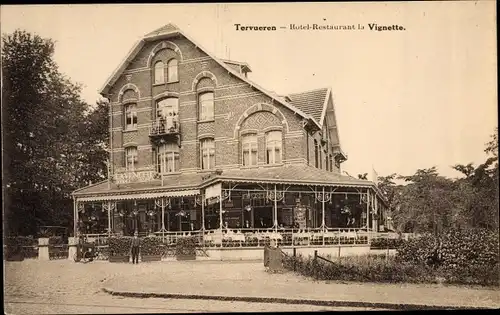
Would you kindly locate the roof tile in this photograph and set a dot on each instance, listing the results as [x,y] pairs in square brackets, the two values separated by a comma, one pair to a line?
[310,102]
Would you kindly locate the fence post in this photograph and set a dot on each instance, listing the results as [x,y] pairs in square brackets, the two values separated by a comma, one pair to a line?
[315,265]
[294,259]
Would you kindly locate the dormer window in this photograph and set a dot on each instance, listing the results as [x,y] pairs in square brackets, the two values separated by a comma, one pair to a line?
[172,71]
[159,72]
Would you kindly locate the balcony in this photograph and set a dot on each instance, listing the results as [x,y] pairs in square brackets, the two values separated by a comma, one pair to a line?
[164,129]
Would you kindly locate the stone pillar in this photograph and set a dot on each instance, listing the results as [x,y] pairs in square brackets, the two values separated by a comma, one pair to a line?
[43,249]
[72,243]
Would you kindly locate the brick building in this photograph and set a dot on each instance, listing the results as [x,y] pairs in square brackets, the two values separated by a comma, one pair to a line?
[196,145]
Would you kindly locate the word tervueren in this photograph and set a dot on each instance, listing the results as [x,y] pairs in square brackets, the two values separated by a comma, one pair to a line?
[239,27]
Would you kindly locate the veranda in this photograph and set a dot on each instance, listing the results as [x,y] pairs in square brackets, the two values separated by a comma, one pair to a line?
[238,214]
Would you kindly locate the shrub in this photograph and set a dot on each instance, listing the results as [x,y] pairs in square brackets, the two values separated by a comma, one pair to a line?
[186,246]
[119,246]
[417,250]
[151,246]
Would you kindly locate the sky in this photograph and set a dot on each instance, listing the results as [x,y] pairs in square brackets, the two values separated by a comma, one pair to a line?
[421,97]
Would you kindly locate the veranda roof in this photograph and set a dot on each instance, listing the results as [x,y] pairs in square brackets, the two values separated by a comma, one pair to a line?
[189,184]
[296,174]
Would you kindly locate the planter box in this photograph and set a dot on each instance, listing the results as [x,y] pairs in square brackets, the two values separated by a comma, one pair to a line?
[148,258]
[119,259]
[186,257]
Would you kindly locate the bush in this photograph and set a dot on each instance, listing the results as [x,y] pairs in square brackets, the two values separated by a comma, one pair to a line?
[417,250]
[186,246]
[151,246]
[119,246]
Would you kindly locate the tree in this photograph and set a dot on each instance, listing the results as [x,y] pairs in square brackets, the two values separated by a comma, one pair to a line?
[46,131]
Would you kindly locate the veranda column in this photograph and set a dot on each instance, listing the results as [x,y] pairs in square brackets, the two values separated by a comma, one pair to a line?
[220,211]
[75,218]
[275,223]
[109,206]
[202,212]
[368,213]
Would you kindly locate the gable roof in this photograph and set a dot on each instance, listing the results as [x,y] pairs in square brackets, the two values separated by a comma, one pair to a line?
[311,102]
[171,30]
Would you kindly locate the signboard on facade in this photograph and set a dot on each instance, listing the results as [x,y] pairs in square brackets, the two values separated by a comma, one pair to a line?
[213,191]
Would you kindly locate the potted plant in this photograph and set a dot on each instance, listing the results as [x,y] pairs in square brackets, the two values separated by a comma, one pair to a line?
[185,248]
[119,249]
[151,249]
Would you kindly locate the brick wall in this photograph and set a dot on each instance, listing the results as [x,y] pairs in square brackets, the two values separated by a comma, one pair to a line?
[238,106]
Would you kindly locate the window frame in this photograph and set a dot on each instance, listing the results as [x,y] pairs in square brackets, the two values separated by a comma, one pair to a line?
[163,152]
[169,72]
[173,106]
[158,70]
[249,143]
[201,104]
[316,153]
[207,145]
[130,109]
[274,144]
[131,153]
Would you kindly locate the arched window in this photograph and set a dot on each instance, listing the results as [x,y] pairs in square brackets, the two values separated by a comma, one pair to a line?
[249,148]
[273,147]
[206,105]
[159,72]
[207,149]
[167,107]
[172,73]
[131,158]
[316,153]
[130,116]
[167,158]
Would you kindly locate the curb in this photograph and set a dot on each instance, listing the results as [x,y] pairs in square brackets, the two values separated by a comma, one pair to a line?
[330,303]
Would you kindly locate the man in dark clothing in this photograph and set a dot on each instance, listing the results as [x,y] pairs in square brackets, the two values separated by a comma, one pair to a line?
[135,247]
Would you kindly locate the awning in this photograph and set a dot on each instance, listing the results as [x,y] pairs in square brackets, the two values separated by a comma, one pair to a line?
[179,193]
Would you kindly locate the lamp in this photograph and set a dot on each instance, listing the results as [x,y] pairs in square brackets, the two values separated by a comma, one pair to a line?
[248,208]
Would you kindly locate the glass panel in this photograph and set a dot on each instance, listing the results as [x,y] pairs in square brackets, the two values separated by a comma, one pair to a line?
[207,106]
[159,73]
[172,70]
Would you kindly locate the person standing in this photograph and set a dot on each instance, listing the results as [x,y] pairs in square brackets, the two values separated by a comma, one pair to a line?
[135,248]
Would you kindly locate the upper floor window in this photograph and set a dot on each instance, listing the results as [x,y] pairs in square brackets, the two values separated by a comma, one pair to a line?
[172,73]
[249,146]
[316,153]
[130,116]
[167,107]
[131,158]
[159,72]
[167,158]
[206,105]
[326,160]
[331,163]
[207,154]
[273,147]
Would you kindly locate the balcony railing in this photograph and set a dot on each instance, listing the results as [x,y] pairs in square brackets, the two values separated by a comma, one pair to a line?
[165,126]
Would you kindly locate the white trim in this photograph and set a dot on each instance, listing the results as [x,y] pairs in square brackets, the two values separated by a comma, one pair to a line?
[164,45]
[180,193]
[325,104]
